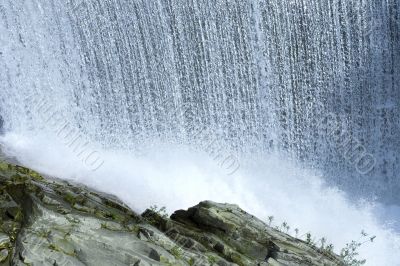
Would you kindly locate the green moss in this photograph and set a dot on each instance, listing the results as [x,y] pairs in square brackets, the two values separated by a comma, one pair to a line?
[17,178]
[191,261]
[165,261]
[176,252]
[109,227]
[70,198]
[105,226]
[115,205]
[211,259]
[3,166]
[133,228]
[44,233]
[54,248]
[112,216]
[236,258]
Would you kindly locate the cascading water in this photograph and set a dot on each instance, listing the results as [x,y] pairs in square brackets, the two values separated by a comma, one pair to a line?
[165,84]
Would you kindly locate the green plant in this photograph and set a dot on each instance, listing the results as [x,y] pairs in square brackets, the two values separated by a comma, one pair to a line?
[160,211]
[176,252]
[350,252]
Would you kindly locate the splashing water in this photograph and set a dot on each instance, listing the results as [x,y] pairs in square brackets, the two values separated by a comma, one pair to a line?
[149,99]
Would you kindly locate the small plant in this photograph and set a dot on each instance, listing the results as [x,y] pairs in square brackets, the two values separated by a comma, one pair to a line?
[284,224]
[270,219]
[176,252]
[329,248]
[160,211]
[309,239]
[350,252]
[323,242]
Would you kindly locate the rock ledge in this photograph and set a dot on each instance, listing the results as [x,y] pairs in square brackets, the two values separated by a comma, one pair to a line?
[46,221]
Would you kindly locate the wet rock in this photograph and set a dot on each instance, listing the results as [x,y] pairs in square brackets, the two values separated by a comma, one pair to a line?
[154,255]
[46,221]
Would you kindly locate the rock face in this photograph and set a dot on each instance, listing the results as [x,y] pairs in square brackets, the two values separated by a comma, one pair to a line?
[52,222]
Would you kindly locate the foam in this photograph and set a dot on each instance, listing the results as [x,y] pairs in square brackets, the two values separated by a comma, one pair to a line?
[179,177]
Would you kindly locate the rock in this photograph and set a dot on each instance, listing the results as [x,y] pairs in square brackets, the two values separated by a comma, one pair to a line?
[4,241]
[154,255]
[272,262]
[46,221]
[3,255]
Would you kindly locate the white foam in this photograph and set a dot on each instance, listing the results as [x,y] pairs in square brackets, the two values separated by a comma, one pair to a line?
[178,177]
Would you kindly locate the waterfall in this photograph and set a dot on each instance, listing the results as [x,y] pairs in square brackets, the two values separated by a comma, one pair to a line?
[256,77]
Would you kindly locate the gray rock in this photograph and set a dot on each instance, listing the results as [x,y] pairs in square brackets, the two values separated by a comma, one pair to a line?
[46,221]
[3,255]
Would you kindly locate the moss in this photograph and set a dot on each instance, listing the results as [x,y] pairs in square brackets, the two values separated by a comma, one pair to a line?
[17,178]
[105,226]
[109,227]
[191,261]
[54,248]
[70,198]
[166,261]
[133,228]
[44,233]
[115,205]
[112,216]
[176,252]
[4,166]
[11,228]
[211,259]
[236,258]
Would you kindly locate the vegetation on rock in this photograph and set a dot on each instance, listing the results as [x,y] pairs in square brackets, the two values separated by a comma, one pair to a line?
[46,221]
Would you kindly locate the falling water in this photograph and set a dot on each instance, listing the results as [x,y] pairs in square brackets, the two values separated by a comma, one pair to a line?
[259,76]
